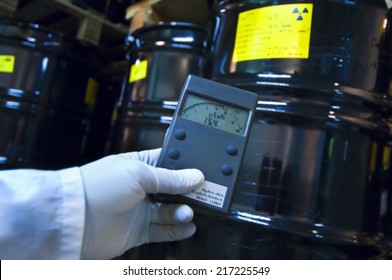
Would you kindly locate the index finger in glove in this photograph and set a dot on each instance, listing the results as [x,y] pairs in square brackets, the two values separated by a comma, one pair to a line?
[148,156]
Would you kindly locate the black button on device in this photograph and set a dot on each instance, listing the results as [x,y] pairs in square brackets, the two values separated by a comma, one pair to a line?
[226,169]
[231,150]
[180,134]
[174,154]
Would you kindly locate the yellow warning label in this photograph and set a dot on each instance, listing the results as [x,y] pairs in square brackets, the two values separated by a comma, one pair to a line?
[91,92]
[138,71]
[386,158]
[281,31]
[7,63]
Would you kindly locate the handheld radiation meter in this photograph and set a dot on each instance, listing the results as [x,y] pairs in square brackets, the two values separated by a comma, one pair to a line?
[209,131]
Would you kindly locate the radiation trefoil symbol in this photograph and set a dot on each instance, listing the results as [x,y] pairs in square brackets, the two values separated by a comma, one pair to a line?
[304,11]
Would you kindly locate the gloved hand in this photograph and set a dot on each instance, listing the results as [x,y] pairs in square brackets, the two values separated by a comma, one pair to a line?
[119,213]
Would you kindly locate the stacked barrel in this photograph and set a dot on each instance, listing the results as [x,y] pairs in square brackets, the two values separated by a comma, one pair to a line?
[318,159]
[47,91]
[160,57]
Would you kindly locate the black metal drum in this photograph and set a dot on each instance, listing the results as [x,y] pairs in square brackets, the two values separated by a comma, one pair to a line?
[326,44]
[46,89]
[316,182]
[318,168]
[318,160]
[160,57]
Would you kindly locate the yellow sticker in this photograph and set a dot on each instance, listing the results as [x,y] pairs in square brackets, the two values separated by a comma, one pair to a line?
[386,158]
[281,31]
[138,71]
[91,92]
[7,63]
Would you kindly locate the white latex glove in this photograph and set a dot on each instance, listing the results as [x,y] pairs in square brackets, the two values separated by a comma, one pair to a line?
[119,213]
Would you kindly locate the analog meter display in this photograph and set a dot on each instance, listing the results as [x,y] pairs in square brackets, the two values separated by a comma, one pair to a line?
[217,115]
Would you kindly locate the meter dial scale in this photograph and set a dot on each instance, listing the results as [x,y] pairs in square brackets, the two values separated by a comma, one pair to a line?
[216,115]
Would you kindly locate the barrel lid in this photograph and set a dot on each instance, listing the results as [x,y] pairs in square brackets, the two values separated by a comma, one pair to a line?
[30,33]
[37,36]
[380,3]
[169,34]
[171,25]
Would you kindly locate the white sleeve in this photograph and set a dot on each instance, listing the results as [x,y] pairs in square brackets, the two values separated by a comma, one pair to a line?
[42,214]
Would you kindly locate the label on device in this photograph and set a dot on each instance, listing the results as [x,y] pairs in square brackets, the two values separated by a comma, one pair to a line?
[210,193]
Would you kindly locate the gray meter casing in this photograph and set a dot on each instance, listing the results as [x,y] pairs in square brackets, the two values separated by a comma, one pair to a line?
[209,131]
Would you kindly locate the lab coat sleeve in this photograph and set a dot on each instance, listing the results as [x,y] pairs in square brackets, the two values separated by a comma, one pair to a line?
[42,214]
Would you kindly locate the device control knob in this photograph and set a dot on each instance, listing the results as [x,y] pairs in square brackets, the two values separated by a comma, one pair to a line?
[226,170]
[231,150]
[180,134]
[174,153]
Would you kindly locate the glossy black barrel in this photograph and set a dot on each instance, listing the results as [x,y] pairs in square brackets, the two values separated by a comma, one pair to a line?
[318,159]
[316,182]
[318,167]
[313,44]
[46,89]
[160,58]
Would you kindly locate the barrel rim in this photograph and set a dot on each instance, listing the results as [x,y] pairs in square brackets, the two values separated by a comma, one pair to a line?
[171,24]
[33,26]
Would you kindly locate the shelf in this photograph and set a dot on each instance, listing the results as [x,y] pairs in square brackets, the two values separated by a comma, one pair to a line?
[91,26]
[68,18]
